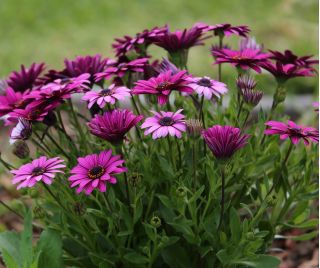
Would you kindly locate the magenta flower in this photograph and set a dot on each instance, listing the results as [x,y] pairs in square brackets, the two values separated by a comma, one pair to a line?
[208,87]
[245,82]
[95,171]
[121,68]
[292,131]
[316,106]
[225,29]
[163,124]
[289,58]
[224,141]
[27,78]
[22,131]
[244,59]
[112,126]
[163,84]
[107,95]
[249,43]
[41,169]
[251,96]
[11,100]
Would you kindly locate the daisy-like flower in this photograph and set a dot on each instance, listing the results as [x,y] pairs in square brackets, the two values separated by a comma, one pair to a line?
[121,68]
[289,58]
[244,59]
[107,95]
[22,131]
[163,124]
[95,171]
[41,169]
[26,78]
[163,84]
[208,87]
[292,131]
[11,100]
[316,106]
[225,29]
[224,141]
[112,126]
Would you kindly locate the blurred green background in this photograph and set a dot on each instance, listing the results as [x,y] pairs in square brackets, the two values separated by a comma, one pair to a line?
[51,30]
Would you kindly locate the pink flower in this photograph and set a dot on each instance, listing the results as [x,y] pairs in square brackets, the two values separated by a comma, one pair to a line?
[292,131]
[95,171]
[112,126]
[226,29]
[22,131]
[208,87]
[11,100]
[41,169]
[163,84]
[107,95]
[316,106]
[163,124]
[224,141]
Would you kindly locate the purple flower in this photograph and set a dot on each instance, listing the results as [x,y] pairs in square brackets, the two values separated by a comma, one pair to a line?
[208,87]
[107,95]
[292,131]
[41,169]
[180,40]
[27,78]
[163,84]
[226,29]
[249,43]
[121,68]
[163,124]
[316,106]
[11,100]
[245,82]
[112,126]
[95,171]
[244,59]
[289,58]
[251,97]
[22,131]
[224,141]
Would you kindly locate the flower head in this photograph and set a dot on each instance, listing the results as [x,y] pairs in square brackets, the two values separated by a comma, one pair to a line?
[11,100]
[208,87]
[107,95]
[163,124]
[194,127]
[163,85]
[292,131]
[95,171]
[112,126]
[27,78]
[245,82]
[22,131]
[289,58]
[41,169]
[224,141]
[249,43]
[244,59]
[226,29]
[251,97]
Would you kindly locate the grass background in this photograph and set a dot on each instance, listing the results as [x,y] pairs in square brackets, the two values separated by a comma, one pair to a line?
[51,30]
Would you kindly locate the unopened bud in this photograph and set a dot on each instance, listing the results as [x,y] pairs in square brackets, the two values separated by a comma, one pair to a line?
[135,179]
[181,191]
[21,149]
[194,127]
[155,221]
[39,212]
[79,208]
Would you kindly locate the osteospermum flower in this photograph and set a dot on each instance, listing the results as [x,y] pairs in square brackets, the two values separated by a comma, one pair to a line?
[22,131]
[112,126]
[224,141]
[249,43]
[208,87]
[287,57]
[163,84]
[292,131]
[26,78]
[245,82]
[107,95]
[163,124]
[95,171]
[251,97]
[244,59]
[41,169]
[225,29]
[11,100]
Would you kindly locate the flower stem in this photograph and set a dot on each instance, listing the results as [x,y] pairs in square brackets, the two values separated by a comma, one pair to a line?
[54,197]
[194,163]
[201,107]
[5,164]
[58,146]
[219,66]
[245,120]
[11,209]
[222,197]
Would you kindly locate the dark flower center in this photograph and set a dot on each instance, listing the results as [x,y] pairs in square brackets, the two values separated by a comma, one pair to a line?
[166,121]
[96,172]
[205,82]
[106,92]
[38,171]
[164,85]
[296,132]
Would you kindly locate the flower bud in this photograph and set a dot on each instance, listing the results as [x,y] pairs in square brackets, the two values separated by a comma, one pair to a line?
[21,149]
[79,208]
[50,119]
[194,127]
[135,179]
[33,192]
[272,200]
[251,97]
[39,212]
[245,82]
[250,236]
[155,221]
[181,191]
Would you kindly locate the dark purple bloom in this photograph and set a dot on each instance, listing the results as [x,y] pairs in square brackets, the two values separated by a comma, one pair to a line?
[245,59]
[251,97]
[226,29]
[245,82]
[26,78]
[163,85]
[22,131]
[11,100]
[249,43]
[112,126]
[289,58]
[224,141]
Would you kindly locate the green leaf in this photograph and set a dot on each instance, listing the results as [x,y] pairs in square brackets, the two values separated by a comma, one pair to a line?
[307,224]
[263,261]
[9,261]
[196,195]
[50,245]
[165,200]
[9,243]
[235,225]
[134,257]
[26,240]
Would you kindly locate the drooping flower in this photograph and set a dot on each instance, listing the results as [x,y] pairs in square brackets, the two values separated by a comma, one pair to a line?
[22,131]
[163,85]
[292,131]
[163,124]
[95,171]
[226,29]
[26,78]
[224,141]
[11,100]
[289,58]
[113,126]
[41,169]
[121,68]
[244,59]
[107,95]
[208,87]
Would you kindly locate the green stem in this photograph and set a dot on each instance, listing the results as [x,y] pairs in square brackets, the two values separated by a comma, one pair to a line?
[222,197]
[5,164]
[219,66]
[245,120]
[54,197]
[58,146]
[11,209]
